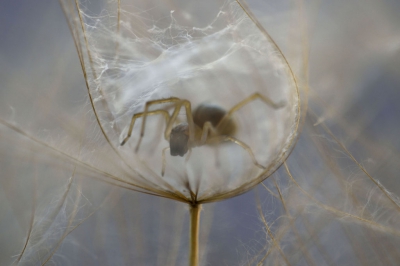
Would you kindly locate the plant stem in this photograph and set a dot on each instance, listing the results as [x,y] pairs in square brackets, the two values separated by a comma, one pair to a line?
[194,234]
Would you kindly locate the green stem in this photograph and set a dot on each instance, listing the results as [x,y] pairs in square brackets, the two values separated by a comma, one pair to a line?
[194,234]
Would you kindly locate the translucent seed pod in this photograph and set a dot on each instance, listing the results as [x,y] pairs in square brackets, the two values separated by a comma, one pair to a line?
[156,62]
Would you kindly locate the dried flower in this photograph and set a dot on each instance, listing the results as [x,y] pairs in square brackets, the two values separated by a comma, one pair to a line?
[136,53]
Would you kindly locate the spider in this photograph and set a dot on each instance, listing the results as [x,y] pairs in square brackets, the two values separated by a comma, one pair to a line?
[208,124]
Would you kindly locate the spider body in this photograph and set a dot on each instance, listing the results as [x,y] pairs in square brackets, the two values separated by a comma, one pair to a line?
[208,124]
[214,114]
[208,117]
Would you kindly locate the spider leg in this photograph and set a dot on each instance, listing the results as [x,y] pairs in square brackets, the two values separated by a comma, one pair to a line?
[249,99]
[135,116]
[204,134]
[146,112]
[241,144]
[189,117]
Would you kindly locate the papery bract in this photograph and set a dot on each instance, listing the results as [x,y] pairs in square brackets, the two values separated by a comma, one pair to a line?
[139,52]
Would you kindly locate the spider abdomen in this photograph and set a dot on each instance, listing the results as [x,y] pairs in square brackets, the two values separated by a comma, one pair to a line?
[214,114]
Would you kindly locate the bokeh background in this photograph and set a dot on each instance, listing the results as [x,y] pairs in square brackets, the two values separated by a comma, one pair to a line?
[342,208]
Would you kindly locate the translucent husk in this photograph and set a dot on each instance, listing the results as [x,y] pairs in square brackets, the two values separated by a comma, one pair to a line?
[115,81]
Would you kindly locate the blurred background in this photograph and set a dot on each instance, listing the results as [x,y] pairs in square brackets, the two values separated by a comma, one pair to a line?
[335,203]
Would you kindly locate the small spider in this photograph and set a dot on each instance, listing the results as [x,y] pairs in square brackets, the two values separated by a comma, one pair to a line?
[207,125]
